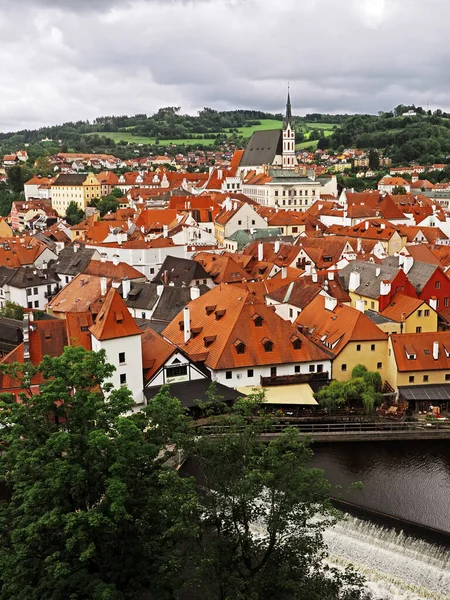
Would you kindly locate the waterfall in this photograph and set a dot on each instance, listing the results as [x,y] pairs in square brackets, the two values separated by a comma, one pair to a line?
[396,566]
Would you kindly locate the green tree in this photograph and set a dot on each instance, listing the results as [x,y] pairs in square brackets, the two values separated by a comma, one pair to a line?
[399,189]
[92,512]
[364,388]
[12,310]
[74,214]
[263,513]
[374,160]
[43,166]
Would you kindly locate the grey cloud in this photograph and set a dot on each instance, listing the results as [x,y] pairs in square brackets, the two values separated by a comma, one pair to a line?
[86,58]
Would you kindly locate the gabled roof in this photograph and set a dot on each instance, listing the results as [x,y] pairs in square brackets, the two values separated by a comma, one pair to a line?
[116,272]
[262,148]
[82,294]
[72,260]
[419,347]
[335,329]
[228,317]
[114,319]
[222,269]
[369,280]
[70,179]
[77,329]
[155,352]
[401,307]
[298,293]
[180,271]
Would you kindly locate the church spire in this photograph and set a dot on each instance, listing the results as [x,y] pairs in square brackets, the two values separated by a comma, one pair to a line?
[288,118]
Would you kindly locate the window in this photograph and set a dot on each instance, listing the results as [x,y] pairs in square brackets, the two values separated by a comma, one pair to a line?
[343,367]
[268,345]
[320,368]
[35,291]
[28,291]
[239,222]
[257,320]
[447,377]
[372,304]
[123,379]
[445,301]
[291,313]
[295,230]
[419,313]
[273,371]
[297,369]
[312,368]
[372,347]
[358,347]
[240,348]
[152,271]
[426,313]
[418,329]
[437,285]
[425,378]
[228,374]
[411,379]
[121,358]
[379,365]
[176,371]
[142,315]
[249,372]
[36,304]
[30,305]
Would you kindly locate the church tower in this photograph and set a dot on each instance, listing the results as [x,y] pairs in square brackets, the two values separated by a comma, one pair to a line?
[289,158]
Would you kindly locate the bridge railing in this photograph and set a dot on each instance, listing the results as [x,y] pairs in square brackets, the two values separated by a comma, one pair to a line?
[361,427]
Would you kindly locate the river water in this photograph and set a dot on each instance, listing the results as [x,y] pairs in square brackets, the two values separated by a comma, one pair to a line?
[410,482]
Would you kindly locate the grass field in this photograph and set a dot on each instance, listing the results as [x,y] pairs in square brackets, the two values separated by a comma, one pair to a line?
[245,132]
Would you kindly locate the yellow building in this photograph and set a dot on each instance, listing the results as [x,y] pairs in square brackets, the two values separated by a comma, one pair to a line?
[80,188]
[5,229]
[419,367]
[410,315]
[347,333]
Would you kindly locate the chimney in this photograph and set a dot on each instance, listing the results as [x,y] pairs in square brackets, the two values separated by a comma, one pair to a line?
[165,277]
[360,305]
[330,303]
[283,272]
[187,324]
[260,251]
[330,275]
[44,265]
[308,269]
[314,277]
[103,286]
[76,247]
[377,272]
[26,337]
[195,293]
[103,257]
[385,288]
[435,350]
[165,230]
[366,225]
[115,259]
[408,263]
[126,286]
[433,302]
[354,281]
[276,246]
[159,290]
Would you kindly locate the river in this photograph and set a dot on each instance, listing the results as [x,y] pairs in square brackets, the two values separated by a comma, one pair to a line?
[406,557]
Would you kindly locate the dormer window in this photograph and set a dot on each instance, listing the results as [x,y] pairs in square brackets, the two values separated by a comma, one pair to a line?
[210,309]
[410,352]
[181,325]
[268,344]
[195,331]
[257,320]
[208,340]
[296,342]
[240,346]
[219,314]
[119,317]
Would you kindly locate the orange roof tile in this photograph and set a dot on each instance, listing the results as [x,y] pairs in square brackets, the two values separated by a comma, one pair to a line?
[114,319]
[419,347]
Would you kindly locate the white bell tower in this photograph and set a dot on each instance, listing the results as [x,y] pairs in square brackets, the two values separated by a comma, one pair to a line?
[289,158]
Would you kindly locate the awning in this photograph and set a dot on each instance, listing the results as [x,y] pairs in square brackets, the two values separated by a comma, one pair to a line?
[433,392]
[300,393]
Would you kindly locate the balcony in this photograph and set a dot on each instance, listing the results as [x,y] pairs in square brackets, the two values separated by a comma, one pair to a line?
[53,293]
[294,379]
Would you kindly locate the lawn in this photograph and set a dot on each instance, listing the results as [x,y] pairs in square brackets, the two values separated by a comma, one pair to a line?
[246,132]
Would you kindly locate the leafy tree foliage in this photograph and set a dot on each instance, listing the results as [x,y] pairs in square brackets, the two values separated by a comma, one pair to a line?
[92,513]
[12,310]
[74,214]
[399,190]
[263,513]
[363,387]
[374,160]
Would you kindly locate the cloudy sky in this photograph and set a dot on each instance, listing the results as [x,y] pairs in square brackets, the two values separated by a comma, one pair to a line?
[78,59]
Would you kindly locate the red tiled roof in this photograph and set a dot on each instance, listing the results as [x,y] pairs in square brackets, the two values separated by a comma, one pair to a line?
[420,345]
[114,319]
